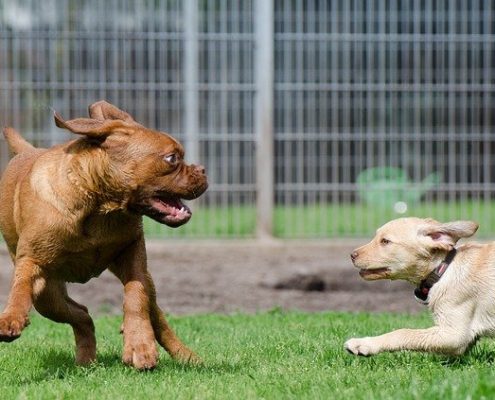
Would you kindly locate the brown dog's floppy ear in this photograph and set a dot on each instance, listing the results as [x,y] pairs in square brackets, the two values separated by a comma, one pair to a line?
[104,110]
[90,127]
[445,236]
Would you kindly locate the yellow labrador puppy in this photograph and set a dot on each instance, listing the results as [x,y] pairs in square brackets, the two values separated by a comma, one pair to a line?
[456,283]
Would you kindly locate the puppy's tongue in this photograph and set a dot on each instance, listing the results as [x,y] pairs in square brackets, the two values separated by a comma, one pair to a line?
[372,272]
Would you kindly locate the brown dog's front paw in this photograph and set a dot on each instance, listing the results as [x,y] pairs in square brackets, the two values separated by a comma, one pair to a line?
[11,326]
[141,355]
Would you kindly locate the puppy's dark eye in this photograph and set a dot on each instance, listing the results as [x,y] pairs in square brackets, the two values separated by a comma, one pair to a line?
[171,158]
[385,241]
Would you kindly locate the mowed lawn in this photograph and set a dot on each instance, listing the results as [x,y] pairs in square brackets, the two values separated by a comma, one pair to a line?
[272,355]
[321,221]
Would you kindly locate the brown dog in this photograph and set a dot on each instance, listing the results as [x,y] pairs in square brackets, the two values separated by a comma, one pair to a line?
[69,212]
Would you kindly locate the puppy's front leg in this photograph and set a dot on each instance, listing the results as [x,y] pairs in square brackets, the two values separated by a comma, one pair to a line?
[139,339]
[434,339]
[14,319]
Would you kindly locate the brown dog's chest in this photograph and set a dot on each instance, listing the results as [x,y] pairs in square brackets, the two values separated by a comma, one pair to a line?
[82,266]
[83,251]
[78,272]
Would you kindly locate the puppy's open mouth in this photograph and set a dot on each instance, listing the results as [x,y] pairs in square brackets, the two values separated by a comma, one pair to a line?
[169,211]
[373,274]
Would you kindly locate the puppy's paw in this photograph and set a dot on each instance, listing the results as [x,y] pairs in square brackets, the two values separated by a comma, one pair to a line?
[11,326]
[361,347]
[141,355]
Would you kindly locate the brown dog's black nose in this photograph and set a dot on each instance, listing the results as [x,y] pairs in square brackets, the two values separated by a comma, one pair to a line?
[200,169]
[354,255]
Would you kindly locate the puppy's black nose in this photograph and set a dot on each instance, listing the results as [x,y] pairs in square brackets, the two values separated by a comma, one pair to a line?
[354,255]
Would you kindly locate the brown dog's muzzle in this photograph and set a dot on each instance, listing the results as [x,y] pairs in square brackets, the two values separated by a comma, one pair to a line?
[163,201]
[196,182]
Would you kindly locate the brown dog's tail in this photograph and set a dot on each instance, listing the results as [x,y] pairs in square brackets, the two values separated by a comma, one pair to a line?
[16,142]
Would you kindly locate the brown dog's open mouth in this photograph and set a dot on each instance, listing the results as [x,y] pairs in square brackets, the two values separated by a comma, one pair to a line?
[170,211]
[372,274]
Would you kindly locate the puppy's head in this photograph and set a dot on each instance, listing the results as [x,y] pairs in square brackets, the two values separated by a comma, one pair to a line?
[407,248]
[146,168]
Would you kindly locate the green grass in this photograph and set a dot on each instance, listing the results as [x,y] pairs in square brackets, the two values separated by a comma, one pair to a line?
[321,221]
[272,355]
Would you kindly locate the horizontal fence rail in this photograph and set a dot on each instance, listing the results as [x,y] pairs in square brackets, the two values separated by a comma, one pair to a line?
[314,118]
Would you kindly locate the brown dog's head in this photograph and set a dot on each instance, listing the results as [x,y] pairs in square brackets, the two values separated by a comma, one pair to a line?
[407,248]
[145,169]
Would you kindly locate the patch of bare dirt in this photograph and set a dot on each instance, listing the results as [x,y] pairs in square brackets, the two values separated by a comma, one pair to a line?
[245,276]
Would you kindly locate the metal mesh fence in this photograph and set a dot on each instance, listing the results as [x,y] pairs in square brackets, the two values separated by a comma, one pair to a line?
[380,108]
[383,107]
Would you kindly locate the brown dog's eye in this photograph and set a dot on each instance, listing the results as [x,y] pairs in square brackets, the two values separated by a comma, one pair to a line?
[171,158]
[385,241]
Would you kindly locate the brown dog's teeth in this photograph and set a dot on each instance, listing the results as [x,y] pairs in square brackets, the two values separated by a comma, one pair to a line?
[106,230]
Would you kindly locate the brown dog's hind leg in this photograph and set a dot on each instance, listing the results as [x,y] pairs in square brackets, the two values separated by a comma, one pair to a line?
[54,303]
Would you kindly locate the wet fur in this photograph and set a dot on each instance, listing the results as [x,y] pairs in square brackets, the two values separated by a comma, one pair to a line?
[74,210]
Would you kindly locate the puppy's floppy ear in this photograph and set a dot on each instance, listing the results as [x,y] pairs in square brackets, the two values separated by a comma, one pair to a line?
[103,110]
[445,236]
[91,127]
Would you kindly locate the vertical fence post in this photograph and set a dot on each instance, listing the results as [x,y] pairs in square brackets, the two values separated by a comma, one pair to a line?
[191,109]
[263,18]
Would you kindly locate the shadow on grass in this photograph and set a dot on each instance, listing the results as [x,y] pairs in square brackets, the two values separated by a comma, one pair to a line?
[60,365]
[218,367]
[477,355]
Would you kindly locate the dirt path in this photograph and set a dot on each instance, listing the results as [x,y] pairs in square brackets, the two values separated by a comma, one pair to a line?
[225,277]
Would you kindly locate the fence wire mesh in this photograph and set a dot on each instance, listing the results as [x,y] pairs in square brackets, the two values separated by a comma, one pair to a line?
[380,108]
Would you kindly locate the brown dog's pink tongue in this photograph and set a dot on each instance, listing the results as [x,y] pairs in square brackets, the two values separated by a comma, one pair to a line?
[173,208]
[160,206]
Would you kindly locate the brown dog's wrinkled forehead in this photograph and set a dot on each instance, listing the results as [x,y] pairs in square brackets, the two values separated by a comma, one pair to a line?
[156,141]
[106,120]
